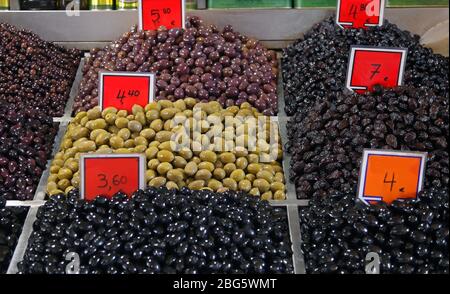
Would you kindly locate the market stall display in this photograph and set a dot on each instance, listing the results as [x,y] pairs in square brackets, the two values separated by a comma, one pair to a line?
[201,62]
[207,155]
[11,221]
[26,142]
[411,236]
[35,73]
[186,144]
[160,231]
[315,67]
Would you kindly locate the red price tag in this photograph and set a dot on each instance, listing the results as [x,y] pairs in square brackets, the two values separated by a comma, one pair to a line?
[369,66]
[122,90]
[156,13]
[390,175]
[360,13]
[107,174]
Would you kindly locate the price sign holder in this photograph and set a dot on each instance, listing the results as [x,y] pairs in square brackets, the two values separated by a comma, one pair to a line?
[107,174]
[387,175]
[122,90]
[156,13]
[369,66]
[360,13]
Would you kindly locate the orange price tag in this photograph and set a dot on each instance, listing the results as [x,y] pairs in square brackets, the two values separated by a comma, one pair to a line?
[107,174]
[390,175]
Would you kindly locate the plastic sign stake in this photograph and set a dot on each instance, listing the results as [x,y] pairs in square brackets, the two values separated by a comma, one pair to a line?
[107,174]
[369,66]
[389,175]
[360,13]
[156,13]
[122,90]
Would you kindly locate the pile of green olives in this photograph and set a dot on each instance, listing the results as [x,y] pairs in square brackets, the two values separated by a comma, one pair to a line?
[201,146]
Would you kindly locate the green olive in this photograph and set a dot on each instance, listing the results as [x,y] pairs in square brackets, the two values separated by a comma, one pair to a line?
[163,136]
[267,196]
[242,163]
[165,103]
[172,185]
[206,165]
[227,157]
[262,185]
[58,162]
[102,139]
[129,143]
[208,155]
[148,134]
[186,153]
[140,141]
[153,163]
[125,134]
[140,117]
[64,173]
[152,105]
[279,195]
[168,113]
[175,175]
[86,146]
[214,184]
[219,174]
[94,113]
[245,185]
[165,156]
[110,118]
[229,168]
[135,126]
[51,186]
[196,185]
[63,184]
[109,110]
[179,162]
[99,123]
[203,174]
[66,143]
[116,142]
[137,109]
[238,175]
[266,175]
[277,186]
[79,133]
[180,105]
[191,168]
[151,152]
[152,115]
[156,125]
[254,168]
[121,122]
[163,168]
[72,164]
[157,182]
[230,184]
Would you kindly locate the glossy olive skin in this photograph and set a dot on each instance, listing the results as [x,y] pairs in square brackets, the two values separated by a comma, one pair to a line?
[315,67]
[11,222]
[410,236]
[327,143]
[161,231]
[200,61]
[35,73]
[26,140]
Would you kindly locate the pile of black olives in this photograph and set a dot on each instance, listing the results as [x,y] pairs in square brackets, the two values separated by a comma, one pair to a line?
[315,67]
[328,141]
[26,141]
[11,222]
[160,231]
[409,236]
[200,62]
[35,73]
